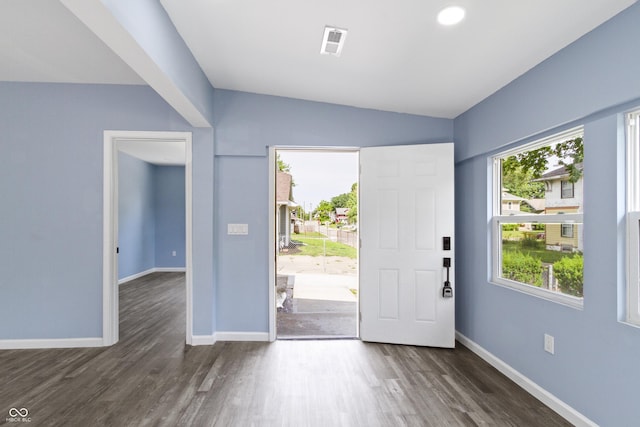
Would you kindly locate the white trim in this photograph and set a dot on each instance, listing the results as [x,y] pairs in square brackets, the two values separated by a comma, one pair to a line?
[110,314]
[242,336]
[633,268]
[632,315]
[151,270]
[136,276]
[110,326]
[188,191]
[569,218]
[496,256]
[572,133]
[50,343]
[203,340]
[553,402]
[170,270]
[272,243]
[496,219]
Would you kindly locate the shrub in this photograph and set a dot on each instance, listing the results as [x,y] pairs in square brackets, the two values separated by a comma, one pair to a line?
[510,227]
[531,241]
[522,268]
[568,272]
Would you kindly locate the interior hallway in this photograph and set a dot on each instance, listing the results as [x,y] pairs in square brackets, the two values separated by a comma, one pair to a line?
[151,378]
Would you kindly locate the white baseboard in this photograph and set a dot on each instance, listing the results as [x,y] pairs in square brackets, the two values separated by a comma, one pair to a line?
[151,270]
[242,336]
[50,343]
[169,270]
[203,340]
[564,410]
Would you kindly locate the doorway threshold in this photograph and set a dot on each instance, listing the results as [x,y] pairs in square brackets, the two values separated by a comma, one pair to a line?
[317,338]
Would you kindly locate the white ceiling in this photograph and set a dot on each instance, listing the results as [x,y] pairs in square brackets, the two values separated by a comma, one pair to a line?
[396,57]
[157,152]
[41,41]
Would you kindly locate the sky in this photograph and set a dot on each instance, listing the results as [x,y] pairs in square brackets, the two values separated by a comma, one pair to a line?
[320,175]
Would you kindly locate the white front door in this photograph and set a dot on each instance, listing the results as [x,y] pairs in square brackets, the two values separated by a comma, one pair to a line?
[406,211]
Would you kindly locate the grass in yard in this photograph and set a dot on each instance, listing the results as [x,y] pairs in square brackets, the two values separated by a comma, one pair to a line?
[309,234]
[539,253]
[315,247]
[512,234]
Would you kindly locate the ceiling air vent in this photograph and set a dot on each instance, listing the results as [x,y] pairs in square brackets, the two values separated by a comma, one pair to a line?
[333,41]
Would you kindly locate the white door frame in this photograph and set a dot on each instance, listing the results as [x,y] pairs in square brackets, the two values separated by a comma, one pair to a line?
[272,222]
[110,305]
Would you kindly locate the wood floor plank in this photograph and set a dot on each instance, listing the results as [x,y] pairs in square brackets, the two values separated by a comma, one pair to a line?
[150,378]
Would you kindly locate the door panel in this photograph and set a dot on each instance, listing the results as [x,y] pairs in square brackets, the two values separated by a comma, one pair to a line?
[406,207]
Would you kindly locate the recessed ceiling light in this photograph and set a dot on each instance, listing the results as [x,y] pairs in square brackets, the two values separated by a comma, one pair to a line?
[451,15]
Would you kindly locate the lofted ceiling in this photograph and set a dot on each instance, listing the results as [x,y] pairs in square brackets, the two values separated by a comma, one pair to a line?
[396,56]
[41,41]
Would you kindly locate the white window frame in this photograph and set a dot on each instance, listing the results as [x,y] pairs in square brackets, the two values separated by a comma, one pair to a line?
[564,183]
[633,217]
[566,234]
[498,220]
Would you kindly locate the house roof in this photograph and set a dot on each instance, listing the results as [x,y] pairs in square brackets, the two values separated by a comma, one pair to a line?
[557,173]
[283,188]
[342,211]
[537,204]
[508,197]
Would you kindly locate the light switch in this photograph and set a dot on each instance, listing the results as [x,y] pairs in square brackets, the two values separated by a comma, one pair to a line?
[238,229]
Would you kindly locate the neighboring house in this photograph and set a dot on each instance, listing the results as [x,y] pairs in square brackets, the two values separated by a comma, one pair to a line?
[341,215]
[511,203]
[536,205]
[284,205]
[563,196]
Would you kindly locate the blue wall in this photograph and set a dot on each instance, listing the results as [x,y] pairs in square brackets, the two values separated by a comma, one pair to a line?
[246,124]
[151,216]
[136,216]
[169,207]
[51,178]
[595,366]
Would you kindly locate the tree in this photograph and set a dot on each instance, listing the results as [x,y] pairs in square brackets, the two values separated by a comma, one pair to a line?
[282,166]
[519,180]
[535,162]
[340,201]
[352,204]
[348,200]
[323,211]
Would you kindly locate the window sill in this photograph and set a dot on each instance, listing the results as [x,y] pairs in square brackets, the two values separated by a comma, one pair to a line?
[567,300]
[630,323]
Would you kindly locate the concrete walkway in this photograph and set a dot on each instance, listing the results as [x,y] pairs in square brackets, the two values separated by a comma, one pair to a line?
[318,304]
[328,287]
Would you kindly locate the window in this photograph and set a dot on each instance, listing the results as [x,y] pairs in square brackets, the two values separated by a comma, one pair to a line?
[633,217]
[539,251]
[567,189]
[566,230]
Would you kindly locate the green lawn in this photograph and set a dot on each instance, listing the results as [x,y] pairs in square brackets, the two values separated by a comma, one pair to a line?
[512,234]
[316,246]
[538,253]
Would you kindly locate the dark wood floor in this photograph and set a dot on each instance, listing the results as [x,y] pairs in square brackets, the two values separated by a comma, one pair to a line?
[151,378]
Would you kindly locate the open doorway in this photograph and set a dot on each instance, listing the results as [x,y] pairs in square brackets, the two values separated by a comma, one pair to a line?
[316,238]
[143,150]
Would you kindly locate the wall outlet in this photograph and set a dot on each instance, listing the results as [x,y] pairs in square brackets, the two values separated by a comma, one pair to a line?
[549,344]
[173,253]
